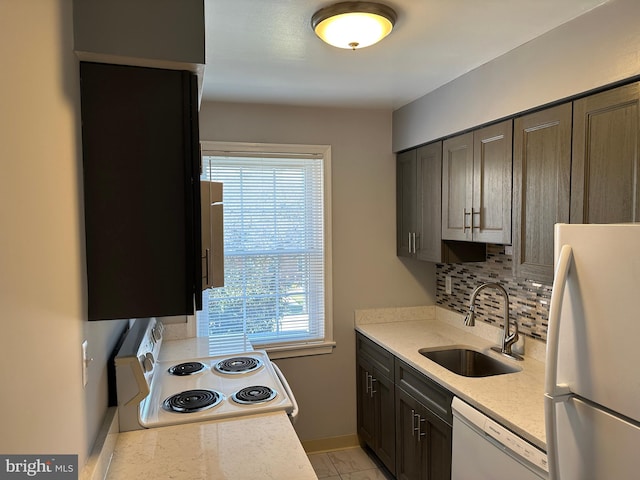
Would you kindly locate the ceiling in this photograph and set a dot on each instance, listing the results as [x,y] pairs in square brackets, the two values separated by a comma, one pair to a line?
[264,51]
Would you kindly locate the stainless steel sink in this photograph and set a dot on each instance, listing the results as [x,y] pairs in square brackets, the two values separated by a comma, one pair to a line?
[467,362]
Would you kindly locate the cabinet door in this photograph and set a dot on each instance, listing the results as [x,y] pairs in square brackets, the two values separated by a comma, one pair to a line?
[605,171]
[384,406]
[366,410]
[541,183]
[212,234]
[429,160]
[409,444]
[141,191]
[457,184]
[437,443]
[423,441]
[492,182]
[406,202]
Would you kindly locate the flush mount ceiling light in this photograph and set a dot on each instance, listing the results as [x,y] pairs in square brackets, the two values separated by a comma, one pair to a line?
[353,24]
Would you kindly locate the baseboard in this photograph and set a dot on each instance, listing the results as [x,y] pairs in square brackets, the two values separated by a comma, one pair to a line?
[98,462]
[333,443]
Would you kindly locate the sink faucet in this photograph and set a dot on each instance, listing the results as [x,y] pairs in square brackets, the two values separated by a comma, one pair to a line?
[508,338]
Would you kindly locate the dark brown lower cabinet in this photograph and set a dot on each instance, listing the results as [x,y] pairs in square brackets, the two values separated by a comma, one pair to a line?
[423,441]
[376,402]
[403,417]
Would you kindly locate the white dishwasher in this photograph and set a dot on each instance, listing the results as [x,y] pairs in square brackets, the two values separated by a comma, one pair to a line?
[485,450]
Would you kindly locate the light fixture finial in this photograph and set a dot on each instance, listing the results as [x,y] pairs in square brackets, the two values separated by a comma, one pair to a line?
[353,25]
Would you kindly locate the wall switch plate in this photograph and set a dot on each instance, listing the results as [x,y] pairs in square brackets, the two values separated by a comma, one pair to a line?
[85,364]
[447,284]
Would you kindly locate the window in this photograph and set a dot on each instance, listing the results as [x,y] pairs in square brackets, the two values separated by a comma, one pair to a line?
[277,260]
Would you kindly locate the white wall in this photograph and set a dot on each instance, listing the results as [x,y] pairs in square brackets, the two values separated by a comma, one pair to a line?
[44,410]
[366,271]
[596,49]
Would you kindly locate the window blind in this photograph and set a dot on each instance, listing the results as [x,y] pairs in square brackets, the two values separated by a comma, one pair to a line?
[274,291]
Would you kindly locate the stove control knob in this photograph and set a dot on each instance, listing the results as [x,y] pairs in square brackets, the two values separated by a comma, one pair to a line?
[147,362]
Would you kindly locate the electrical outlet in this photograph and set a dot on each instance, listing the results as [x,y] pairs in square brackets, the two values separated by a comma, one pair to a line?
[447,284]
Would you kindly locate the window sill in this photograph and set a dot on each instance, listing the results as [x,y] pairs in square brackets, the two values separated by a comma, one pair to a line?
[297,350]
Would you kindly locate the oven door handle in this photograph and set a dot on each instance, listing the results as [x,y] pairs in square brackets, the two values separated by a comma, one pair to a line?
[293,416]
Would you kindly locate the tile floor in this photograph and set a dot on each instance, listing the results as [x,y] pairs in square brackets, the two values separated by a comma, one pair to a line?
[347,464]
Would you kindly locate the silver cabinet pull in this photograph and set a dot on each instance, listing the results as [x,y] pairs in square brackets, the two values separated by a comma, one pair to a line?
[415,424]
[366,385]
[479,219]
[207,255]
[420,432]
[412,242]
[464,219]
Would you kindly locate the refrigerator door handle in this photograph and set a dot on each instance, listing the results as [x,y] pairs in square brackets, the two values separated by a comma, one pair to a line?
[550,419]
[554,393]
[551,386]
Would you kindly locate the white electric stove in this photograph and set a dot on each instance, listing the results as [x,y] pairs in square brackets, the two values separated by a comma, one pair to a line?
[155,393]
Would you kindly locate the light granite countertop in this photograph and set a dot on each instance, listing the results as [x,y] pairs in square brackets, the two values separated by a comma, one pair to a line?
[258,446]
[515,400]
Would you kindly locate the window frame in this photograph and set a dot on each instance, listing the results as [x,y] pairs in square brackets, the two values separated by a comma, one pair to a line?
[303,348]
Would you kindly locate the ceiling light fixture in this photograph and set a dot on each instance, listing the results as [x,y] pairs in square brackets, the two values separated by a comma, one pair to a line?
[353,24]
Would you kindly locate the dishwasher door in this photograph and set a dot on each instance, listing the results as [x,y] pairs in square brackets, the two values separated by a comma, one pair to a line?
[485,450]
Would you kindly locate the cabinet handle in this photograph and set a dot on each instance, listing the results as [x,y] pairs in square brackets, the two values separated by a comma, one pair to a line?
[464,219]
[415,425]
[366,386]
[207,255]
[479,219]
[420,432]
[372,391]
[414,242]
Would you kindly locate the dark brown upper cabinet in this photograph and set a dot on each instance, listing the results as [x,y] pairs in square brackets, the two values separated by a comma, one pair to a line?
[541,188]
[605,171]
[419,210]
[141,168]
[419,200]
[476,185]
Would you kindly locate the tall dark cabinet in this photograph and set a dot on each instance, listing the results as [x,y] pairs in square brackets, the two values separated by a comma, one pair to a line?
[541,188]
[141,168]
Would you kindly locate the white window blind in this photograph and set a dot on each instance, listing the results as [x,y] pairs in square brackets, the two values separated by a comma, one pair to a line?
[274,248]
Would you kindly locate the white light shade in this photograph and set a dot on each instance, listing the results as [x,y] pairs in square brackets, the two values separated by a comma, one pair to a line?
[353,24]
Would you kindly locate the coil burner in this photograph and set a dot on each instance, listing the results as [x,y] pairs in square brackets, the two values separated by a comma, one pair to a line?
[254,394]
[236,365]
[187,368]
[191,401]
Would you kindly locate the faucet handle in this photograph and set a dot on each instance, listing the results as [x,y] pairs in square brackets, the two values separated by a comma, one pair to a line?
[470,320]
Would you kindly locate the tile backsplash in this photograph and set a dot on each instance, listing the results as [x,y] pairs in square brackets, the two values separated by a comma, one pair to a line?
[529,300]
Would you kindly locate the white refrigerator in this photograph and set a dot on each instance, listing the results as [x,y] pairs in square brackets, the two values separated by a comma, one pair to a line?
[592,384]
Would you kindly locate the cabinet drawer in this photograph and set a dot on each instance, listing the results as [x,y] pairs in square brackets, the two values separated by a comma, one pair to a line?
[429,393]
[382,360]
